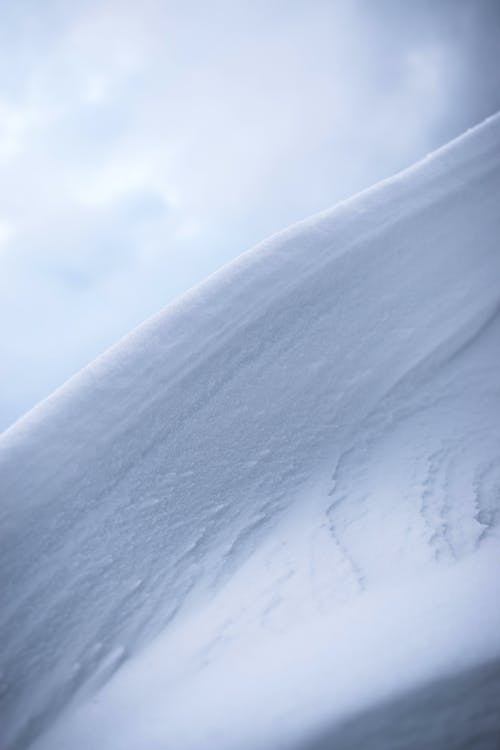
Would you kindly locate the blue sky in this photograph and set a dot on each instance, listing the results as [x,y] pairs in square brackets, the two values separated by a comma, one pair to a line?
[143,145]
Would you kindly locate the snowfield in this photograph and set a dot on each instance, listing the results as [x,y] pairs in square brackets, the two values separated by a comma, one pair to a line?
[275,506]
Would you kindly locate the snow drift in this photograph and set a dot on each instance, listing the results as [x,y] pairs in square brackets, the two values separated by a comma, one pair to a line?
[275,503]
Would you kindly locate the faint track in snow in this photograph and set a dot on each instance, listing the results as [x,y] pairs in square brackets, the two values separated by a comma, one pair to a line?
[442,495]
[487,498]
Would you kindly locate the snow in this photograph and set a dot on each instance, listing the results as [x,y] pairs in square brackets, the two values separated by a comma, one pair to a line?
[274,504]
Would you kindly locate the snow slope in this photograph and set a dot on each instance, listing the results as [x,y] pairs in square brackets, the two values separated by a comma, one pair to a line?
[276,502]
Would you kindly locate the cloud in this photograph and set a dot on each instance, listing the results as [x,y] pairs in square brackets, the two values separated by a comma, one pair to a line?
[143,146]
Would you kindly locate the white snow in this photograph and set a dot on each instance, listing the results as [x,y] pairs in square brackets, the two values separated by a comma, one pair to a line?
[276,502]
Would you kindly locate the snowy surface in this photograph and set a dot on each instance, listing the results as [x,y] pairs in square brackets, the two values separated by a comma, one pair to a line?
[276,503]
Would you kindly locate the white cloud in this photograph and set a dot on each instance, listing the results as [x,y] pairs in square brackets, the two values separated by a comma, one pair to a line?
[6,232]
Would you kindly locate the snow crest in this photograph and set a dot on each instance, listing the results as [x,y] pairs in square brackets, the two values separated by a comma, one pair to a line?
[297,460]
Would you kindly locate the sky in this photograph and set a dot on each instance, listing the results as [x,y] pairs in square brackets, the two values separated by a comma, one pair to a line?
[144,145]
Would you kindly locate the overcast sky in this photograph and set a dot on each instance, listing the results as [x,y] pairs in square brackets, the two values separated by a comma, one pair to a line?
[144,144]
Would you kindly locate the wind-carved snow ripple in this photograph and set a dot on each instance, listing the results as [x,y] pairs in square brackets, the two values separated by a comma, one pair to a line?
[422,485]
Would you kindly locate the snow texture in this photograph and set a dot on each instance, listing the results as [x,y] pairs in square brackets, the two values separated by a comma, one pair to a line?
[276,503]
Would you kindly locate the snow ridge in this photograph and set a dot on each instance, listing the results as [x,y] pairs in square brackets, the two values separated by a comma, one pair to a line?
[313,427]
